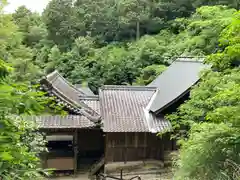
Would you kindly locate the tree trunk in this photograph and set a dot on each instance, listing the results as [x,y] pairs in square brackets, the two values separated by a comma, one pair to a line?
[138,31]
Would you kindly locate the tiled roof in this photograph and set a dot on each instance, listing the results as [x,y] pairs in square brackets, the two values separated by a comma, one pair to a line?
[176,81]
[155,123]
[61,84]
[158,124]
[85,90]
[62,122]
[92,102]
[67,94]
[123,109]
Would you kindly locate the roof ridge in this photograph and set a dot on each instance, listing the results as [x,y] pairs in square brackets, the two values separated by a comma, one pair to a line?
[77,106]
[51,76]
[190,56]
[55,73]
[92,97]
[53,115]
[132,88]
[196,59]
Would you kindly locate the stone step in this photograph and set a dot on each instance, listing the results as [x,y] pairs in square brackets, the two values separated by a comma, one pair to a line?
[168,163]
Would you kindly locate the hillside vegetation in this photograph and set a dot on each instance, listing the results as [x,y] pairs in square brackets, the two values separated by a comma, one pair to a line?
[122,42]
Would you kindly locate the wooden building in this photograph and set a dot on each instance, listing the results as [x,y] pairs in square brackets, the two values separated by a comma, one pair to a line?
[118,125]
[130,128]
[74,143]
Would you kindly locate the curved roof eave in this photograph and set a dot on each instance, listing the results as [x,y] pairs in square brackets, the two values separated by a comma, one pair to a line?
[76,106]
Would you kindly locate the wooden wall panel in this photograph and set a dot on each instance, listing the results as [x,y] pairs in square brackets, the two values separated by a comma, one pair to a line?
[90,140]
[118,154]
[61,163]
[121,147]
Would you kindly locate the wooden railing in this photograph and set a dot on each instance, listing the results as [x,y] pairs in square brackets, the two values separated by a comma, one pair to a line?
[96,166]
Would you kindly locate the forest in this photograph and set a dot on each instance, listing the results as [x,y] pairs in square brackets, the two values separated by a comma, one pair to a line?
[124,42]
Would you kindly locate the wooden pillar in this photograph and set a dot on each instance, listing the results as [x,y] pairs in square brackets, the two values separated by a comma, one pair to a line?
[125,149]
[163,138]
[45,158]
[136,139]
[75,146]
[106,148]
[113,148]
[145,145]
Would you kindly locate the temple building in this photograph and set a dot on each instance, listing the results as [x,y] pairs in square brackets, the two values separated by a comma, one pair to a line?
[120,124]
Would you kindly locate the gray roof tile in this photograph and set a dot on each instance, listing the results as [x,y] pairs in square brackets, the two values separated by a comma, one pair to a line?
[92,102]
[59,87]
[122,109]
[158,124]
[181,75]
[85,90]
[62,122]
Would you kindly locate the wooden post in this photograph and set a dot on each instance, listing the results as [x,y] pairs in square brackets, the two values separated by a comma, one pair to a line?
[125,149]
[45,157]
[121,175]
[106,148]
[113,149]
[136,139]
[145,144]
[75,145]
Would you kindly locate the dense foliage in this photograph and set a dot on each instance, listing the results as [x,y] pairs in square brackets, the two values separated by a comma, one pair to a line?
[124,42]
[20,145]
[94,41]
[212,147]
[111,20]
[123,62]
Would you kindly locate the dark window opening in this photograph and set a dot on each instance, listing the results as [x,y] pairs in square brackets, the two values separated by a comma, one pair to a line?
[60,149]
[60,145]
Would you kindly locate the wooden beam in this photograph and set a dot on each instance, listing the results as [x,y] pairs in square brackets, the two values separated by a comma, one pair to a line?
[75,146]
[58,132]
